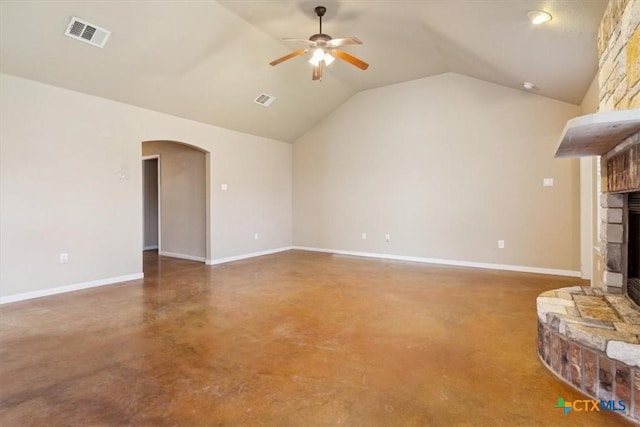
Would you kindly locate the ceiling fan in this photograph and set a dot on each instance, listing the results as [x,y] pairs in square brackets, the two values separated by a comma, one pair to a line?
[324,49]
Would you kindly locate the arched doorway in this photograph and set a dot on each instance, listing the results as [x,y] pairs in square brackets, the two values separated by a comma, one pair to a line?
[181,201]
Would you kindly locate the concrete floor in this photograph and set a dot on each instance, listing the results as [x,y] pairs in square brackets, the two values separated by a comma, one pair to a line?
[292,339]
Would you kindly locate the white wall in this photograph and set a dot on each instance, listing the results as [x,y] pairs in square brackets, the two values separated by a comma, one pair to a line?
[62,157]
[447,165]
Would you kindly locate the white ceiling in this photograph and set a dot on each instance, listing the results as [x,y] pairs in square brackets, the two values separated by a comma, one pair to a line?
[208,60]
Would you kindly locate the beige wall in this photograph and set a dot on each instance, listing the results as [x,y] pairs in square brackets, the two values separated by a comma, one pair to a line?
[590,101]
[588,193]
[71,181]
[447,165]
[182,198]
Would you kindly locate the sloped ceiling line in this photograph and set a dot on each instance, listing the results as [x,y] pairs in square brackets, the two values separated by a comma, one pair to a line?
[208,60]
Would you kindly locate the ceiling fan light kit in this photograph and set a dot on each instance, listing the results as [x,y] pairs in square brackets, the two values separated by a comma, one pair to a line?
[321,55]
[538,17]
[324,50]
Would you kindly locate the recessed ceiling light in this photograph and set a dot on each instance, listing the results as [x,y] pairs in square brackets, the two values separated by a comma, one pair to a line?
[528,85]
[538,17]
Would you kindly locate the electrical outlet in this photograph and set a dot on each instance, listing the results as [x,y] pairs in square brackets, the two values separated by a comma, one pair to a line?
[256,236]
[500,244]
[64,258]
[364,236]
[547,182]
[387,237]
[224,187]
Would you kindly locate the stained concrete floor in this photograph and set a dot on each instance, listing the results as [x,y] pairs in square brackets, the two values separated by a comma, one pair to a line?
[292,339]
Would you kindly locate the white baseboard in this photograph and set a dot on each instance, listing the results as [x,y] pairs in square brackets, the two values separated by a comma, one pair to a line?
[149,248]
[523,269]
[245,256]
[69,288]
[111,280]
[182,256]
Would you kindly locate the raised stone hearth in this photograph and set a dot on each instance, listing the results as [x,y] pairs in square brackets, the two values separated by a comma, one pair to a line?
[591,339]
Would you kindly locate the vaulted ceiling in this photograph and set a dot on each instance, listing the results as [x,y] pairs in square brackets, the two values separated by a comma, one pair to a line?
[208,60]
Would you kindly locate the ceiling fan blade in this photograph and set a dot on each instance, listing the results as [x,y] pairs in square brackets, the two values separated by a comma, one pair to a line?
[305,41]
[288,56]
[340,54]
[317,71]
[343,42]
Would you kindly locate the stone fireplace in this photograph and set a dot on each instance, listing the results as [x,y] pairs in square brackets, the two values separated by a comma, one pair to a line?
[589,336]
[620,233]
[633,250]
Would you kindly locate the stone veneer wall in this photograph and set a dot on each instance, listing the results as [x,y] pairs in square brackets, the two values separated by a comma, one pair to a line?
[619,56]
[619,80]
[613,236]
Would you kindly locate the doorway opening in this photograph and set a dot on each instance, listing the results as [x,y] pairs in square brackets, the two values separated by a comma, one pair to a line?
[151,202]
[183,199]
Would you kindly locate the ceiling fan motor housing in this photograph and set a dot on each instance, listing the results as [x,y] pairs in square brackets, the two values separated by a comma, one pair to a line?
[321,39]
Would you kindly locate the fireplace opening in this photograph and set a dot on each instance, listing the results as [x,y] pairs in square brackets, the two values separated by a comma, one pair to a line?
[633,258]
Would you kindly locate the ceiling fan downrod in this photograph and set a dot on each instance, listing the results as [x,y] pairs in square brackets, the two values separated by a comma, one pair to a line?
[320,11]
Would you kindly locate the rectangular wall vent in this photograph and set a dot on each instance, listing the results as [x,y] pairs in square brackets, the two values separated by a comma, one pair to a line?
[264,99]
[86,32]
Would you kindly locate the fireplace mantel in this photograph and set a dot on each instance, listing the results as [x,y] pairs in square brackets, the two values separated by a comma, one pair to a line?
[596,134]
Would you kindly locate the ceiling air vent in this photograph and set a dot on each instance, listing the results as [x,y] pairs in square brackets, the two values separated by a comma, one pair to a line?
[264,99]
[88,33]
